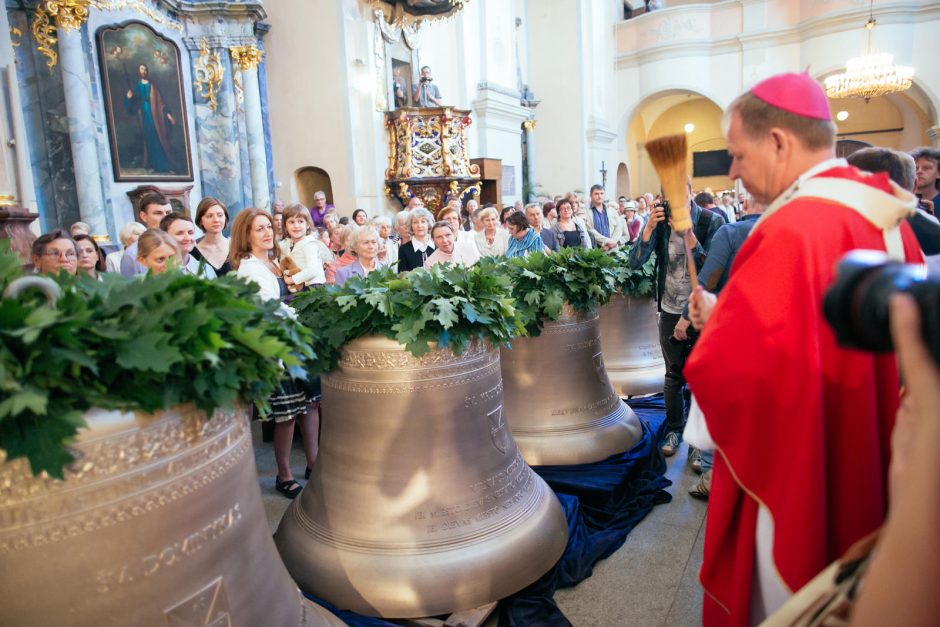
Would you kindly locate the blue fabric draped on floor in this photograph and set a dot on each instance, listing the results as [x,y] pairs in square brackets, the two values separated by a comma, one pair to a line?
[603,502]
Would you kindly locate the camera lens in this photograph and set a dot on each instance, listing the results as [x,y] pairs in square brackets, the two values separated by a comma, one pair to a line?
[856,305]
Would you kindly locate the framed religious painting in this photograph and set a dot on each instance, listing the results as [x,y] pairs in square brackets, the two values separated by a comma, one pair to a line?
[144,104]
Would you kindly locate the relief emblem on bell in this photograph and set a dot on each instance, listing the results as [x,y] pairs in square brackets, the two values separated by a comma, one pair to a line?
[498,431]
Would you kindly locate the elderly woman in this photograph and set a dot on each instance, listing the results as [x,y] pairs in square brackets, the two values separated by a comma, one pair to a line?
[212,217]
[254,256]
[413,254]
[466,216]
[53,252]
[401,234]
[156,249]
[570,231]
[549,214]
[492,241]
[90,259]
[127,236]
[465,246]
[364,241]
[523,239]
[447,249]
[344,256]
[388,249]
[181,228]
[304,247]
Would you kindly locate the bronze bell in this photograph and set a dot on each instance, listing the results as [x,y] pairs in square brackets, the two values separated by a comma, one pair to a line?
[159,522]
[630,340]
[559,401]
[420,503]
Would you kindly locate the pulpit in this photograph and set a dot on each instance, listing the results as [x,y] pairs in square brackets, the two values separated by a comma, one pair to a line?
[427,156]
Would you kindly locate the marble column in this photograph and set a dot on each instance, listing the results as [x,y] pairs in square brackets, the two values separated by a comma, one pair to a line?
[246,60]
[934,134]
[78,104]
[528,127]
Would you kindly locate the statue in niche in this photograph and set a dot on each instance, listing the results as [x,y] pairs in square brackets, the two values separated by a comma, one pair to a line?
[146,111]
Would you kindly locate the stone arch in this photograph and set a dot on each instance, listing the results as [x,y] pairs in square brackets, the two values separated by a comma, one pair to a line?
[309,180]
[623,180]
[642,121]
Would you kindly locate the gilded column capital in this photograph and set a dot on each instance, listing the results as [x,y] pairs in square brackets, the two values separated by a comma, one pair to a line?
[52,15]
[246,57]
[529,125]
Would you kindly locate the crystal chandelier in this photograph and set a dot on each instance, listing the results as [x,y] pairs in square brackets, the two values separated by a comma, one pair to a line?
[870,75]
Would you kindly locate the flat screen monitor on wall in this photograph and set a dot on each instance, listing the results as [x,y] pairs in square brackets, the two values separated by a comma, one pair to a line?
[711,163]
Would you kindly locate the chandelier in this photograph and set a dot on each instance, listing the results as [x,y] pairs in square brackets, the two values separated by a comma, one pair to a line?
[870,75]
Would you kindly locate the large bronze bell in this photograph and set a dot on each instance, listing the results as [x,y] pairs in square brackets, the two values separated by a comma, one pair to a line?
[158,522]
[559,401]
[630,341]
[420,503]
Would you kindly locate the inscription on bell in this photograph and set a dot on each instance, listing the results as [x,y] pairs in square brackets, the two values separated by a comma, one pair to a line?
[498,431]
[169,555]
[607,401]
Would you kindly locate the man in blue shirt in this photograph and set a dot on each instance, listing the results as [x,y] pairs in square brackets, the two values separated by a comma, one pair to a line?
[603,223]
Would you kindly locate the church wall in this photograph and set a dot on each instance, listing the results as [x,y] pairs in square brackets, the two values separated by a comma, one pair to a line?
[554,72]
[719,50]
[309,96]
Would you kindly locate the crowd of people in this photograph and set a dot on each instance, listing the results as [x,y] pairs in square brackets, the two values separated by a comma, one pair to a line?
[754,317]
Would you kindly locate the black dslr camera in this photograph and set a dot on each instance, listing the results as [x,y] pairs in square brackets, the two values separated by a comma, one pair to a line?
[856,304]
[425,79]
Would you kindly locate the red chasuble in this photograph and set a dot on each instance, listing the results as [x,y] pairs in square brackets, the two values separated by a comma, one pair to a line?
[802,426]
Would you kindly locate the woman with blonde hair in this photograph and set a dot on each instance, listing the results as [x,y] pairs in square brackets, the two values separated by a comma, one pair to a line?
[155,249]
[492,241]
[127,236]
[339,245]
[304,247]
[254,255]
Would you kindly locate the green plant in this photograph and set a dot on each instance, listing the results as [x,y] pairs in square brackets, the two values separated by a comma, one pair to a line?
[542,284]
[132,344]
[450,305]
[639,282]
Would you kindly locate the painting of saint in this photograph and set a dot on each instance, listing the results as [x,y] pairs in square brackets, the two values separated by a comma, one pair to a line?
[146,111]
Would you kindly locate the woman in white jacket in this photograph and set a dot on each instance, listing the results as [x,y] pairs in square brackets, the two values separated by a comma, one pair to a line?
[254,256]
[304,246]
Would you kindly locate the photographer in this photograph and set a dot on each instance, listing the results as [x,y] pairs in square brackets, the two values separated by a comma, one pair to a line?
[426,93]
[673,286]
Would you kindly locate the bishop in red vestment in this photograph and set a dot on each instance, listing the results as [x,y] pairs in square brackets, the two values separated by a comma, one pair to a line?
[803,433]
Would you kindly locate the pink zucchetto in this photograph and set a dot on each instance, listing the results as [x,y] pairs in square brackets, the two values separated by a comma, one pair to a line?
[796,93]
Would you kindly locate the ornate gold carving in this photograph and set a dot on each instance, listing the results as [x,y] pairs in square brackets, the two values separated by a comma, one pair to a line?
[15,35]
[52,15]
[529,125]
[246,58]
[139,6]
[209,73]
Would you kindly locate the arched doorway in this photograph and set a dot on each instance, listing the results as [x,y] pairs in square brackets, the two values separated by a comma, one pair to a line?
[309,181]
[623,181]
[667,113]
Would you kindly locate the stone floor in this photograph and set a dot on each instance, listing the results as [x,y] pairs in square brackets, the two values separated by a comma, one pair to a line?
[651,581]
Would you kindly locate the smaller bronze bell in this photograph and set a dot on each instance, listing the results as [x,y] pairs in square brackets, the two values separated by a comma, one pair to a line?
[559,401]
[630,342]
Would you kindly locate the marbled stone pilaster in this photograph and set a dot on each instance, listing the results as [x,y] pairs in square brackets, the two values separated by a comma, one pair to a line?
[79,101]
[254,125]
[934,134]
[217,144]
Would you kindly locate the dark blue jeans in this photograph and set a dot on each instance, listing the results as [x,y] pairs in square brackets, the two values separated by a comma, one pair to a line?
[674,354]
